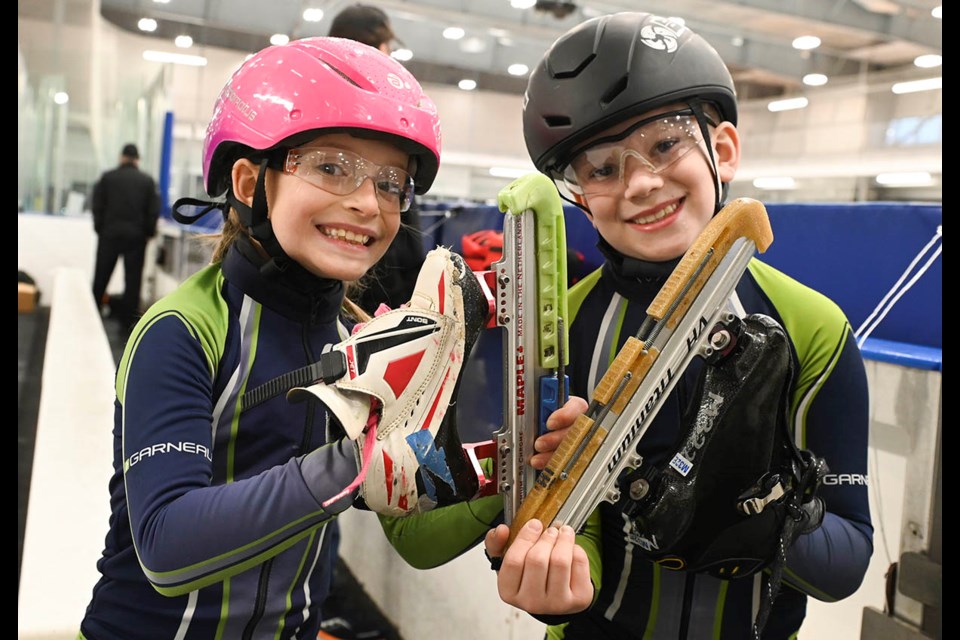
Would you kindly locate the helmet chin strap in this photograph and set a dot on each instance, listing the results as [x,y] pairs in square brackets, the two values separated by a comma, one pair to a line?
[720,189]
[725,188]
[256,221]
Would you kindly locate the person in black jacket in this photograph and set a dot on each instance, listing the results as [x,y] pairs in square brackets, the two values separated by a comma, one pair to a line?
[391,281]
[126,205]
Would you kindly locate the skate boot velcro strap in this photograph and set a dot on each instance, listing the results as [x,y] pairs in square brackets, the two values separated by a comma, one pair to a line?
[330,367]
[409,360]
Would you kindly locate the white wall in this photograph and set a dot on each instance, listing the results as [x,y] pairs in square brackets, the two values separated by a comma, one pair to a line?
[458,600]
[904,415]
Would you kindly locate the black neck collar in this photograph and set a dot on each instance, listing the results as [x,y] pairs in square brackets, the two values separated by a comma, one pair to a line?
[633,276]
[290,290]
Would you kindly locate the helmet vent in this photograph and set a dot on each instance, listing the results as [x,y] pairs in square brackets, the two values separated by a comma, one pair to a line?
[615,90]
[556,121]
[573,73]
[339,73]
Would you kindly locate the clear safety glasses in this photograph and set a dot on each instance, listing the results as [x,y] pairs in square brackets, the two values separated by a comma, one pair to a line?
[342,172]
[654,144]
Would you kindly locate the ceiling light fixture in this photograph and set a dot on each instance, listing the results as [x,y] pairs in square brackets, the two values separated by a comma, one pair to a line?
[473,45]
[174,58]
[928,61]
[147,24]
[815,79]
[522,4]
[453,33]
[312,14]
[913,86]
[279,39]
[806,43]
[886,7]
[787,104]
[184,41]
[905,179]
[61,97]
[937,11]
[518,69]
[775,183]
[467,84]
[402,55]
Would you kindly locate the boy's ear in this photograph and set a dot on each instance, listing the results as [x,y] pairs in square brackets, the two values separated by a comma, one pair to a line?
[244,176]
[727,147]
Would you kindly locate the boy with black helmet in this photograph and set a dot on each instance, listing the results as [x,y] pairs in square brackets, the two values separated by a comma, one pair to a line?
[634,118]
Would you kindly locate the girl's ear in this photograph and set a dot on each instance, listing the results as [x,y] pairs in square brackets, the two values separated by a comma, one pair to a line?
[727,148]
[244,176]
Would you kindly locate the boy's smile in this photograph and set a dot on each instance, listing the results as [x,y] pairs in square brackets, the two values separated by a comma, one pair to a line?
[662,214]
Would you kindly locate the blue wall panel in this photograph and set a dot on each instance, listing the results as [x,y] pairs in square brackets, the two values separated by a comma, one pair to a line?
[853,253]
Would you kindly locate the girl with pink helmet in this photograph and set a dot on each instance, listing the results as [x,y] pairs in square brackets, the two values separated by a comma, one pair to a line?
[251,406]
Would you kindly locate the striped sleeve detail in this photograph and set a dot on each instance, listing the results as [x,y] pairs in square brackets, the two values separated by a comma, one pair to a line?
[199,296]
[578,293]
[817,328]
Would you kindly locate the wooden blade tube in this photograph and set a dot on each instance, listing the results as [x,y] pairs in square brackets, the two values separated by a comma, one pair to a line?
[555,483]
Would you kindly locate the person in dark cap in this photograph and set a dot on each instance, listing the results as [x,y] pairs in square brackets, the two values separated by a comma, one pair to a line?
[364,23]
[391,281]
[126,206]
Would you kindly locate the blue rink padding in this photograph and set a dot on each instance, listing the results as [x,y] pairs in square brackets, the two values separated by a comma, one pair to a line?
[853,253]
[906,355]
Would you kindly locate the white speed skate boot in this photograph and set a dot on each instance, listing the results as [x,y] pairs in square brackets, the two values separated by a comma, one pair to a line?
[397,400]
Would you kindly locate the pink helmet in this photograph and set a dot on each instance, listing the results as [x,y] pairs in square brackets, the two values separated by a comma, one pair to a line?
[319,83]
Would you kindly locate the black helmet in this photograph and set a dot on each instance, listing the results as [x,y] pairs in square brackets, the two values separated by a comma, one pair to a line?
[614,67]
